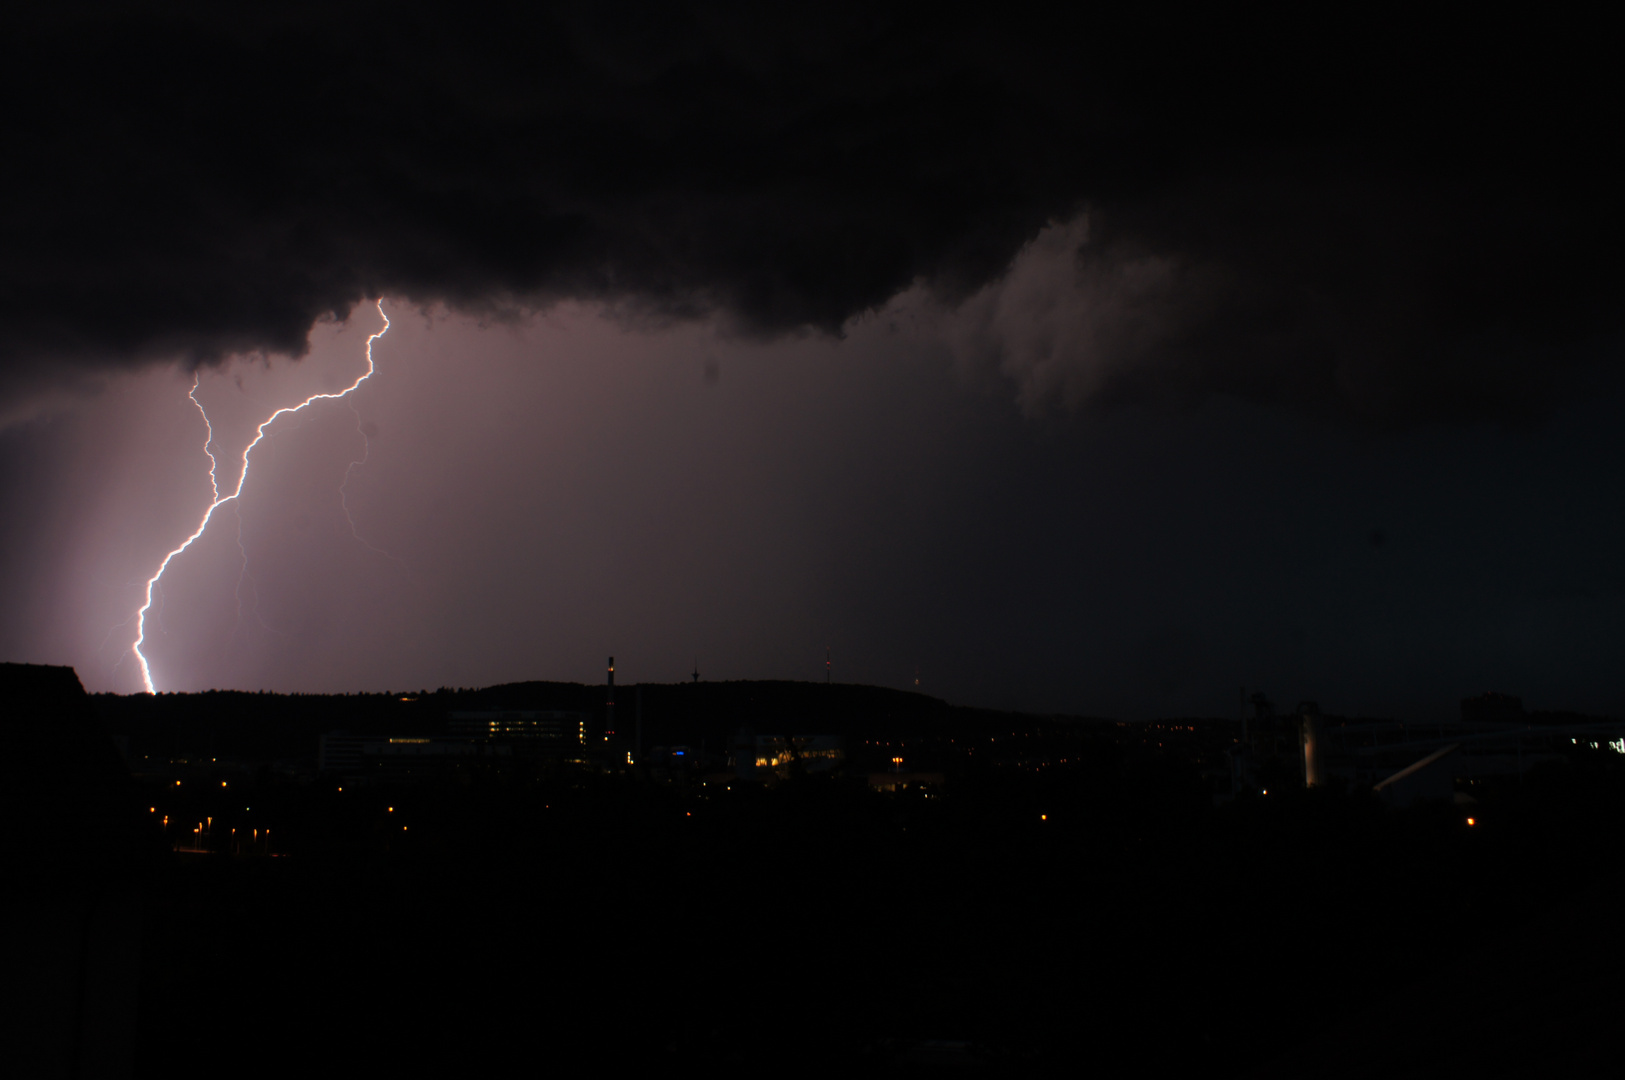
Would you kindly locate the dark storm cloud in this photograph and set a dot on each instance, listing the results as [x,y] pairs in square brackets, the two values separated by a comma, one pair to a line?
[1351,212]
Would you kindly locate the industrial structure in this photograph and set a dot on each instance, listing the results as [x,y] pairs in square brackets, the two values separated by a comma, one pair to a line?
[1405,762]
[609,707]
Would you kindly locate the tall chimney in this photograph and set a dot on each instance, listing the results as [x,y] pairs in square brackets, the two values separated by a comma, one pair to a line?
[1314,773]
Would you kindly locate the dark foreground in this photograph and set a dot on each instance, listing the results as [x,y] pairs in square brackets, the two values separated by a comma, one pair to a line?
[1103,916]
[822,929]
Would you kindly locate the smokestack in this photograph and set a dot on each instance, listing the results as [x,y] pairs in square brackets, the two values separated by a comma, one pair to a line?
[1313,770]
[609,709]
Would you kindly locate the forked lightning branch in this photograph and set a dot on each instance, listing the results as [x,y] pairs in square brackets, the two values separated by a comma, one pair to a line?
[221,500]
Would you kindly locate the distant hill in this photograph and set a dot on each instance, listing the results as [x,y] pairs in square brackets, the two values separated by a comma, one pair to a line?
[265,726]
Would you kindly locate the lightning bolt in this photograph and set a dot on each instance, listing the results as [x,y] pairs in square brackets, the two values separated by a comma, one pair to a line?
[214,486]
[246,576]
[208,444]
[344,489]
[221,500]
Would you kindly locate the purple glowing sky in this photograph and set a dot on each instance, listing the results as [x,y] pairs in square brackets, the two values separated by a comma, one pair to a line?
[564,487]
[1101,360]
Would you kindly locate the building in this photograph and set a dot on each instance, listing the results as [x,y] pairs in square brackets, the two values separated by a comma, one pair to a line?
[1407,762]
[904,781]
[551,727]
[760,757]
[403,758]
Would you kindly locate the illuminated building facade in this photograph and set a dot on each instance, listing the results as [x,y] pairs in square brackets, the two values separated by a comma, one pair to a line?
[759,757]
[529,726]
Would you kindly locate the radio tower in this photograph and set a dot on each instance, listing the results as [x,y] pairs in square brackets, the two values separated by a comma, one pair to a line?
[609,711]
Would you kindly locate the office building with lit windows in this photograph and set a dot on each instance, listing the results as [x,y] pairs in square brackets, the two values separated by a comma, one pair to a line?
[530,726]
[385,758]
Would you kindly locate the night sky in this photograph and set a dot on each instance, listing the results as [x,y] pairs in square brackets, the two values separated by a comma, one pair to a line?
[1104,365]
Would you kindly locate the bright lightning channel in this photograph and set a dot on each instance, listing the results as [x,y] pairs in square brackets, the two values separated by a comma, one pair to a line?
[221,500]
